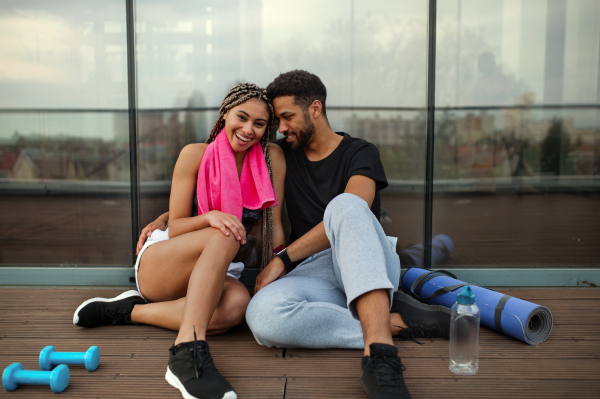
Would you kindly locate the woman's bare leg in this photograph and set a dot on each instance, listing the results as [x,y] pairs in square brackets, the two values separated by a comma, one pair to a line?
[205,287]
[194,266]
[229,313]
[166,267]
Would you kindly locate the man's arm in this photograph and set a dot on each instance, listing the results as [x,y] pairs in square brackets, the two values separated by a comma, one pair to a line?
[315,240]
[159,223]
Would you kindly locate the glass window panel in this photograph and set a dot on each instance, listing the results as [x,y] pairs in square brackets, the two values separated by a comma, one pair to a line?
[64,139]
[369,54]
[517,132]
[63,55]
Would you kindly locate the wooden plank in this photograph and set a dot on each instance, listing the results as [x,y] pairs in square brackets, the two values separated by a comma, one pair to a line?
[74,296]
[110,387]
[491,345]
[254,367]
[496,346]
[562,329]
[124,347]
[66,329]
[562,304]
[583,311]
[534,294]
[340,377]
[428,386]
[529,369]
[526,369]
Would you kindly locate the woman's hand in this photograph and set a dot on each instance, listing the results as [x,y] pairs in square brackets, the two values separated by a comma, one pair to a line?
[227,224]
[159,223]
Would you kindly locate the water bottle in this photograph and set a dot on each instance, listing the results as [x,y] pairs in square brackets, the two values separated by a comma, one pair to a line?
[464,334]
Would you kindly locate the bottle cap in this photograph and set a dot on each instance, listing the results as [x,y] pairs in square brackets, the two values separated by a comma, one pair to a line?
[466,296]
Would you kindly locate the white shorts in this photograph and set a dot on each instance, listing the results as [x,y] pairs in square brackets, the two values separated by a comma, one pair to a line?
[235,268]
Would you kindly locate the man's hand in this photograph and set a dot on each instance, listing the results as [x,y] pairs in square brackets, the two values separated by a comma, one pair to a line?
[158,224]
[227,224]
[273,271]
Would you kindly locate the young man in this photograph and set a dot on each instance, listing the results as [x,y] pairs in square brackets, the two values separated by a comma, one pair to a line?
[346,270]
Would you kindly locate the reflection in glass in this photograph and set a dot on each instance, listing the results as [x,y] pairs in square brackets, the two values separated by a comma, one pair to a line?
[369,54]
[517,132]
[532,144]
[515,52]
[63,54]
[65,191]
[400,138]
[64,139]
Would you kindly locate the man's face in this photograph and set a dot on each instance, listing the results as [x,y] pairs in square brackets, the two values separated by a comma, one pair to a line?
[294,123]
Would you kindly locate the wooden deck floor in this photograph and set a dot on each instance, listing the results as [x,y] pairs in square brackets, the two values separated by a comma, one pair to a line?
[134,358]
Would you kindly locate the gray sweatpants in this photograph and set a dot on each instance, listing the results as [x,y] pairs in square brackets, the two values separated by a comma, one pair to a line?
[313,305]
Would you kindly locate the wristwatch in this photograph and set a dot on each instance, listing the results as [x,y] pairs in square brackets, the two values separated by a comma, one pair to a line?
[281,252]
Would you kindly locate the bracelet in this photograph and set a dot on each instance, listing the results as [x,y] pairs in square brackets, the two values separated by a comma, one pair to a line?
[282,254]
[285,258]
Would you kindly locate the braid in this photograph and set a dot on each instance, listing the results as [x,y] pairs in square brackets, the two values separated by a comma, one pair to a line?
[237,95]
[267,217]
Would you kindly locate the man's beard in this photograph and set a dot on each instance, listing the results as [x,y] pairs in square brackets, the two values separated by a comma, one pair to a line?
[304,135]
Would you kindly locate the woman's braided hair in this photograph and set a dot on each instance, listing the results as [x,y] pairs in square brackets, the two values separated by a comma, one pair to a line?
[236,96]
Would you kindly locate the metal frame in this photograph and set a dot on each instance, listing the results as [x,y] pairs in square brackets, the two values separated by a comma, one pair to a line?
[133,126]
[123,276]
[525,107]
[428,211]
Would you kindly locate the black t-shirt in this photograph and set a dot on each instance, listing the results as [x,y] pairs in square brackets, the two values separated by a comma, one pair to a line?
[310,186]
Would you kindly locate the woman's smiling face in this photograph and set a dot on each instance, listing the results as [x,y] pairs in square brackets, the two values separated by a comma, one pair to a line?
[246,123]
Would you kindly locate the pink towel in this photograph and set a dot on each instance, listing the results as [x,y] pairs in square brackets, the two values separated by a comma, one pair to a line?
[218,186]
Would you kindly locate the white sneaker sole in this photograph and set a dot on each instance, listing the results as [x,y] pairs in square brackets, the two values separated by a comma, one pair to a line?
[126,294]
[175,383]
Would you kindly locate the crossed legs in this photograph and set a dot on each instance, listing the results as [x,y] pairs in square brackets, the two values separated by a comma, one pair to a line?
[184,279]
[339,297]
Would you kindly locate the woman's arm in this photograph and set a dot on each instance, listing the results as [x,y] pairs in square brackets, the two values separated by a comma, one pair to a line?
[183,186]
[279,168]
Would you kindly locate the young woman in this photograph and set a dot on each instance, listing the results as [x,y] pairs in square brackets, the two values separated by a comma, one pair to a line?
[185,275]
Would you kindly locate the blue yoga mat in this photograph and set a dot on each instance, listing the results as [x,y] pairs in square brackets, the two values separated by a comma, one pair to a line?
[525,321]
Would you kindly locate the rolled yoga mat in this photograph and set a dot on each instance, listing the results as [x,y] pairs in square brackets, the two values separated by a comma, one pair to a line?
[525,321]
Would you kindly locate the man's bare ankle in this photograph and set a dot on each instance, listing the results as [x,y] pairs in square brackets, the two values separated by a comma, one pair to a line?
[396,324]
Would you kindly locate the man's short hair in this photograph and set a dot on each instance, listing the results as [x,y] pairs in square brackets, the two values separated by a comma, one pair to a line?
[303,86]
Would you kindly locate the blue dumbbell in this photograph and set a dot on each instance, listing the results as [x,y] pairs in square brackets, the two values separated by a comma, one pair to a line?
[49,357]
[14,375]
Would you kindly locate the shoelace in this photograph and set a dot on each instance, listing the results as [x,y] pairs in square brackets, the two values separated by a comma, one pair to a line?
[202,359]
[387,369]
[418,331]
[117,316]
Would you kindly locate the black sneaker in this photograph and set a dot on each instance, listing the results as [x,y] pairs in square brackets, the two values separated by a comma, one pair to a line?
[381,376]
[97,312]
[423,320]
[192,370]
